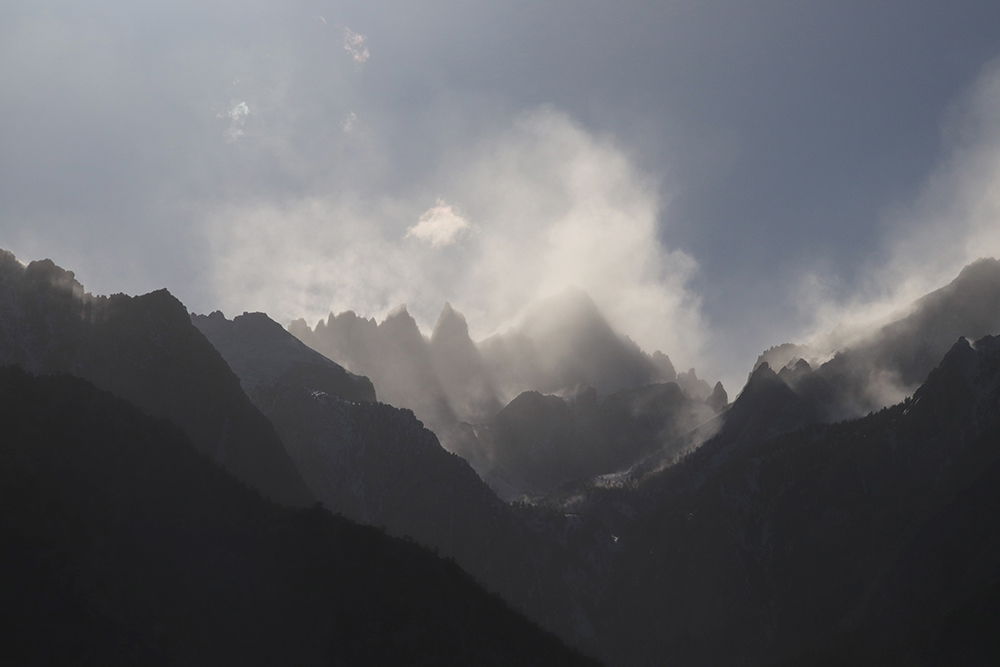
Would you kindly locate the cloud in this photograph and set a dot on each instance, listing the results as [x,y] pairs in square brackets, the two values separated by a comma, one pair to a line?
[439,225]
[954,220]
[350,120]
[355,45]
[555,207]
[237,116]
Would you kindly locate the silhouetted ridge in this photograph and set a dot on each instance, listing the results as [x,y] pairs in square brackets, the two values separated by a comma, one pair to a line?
[146,350]
[262,353]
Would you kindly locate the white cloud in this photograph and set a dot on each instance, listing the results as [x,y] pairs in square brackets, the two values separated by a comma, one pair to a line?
[954,221]
[439,225]
[554,207]
[350,120]
[237,116]
[356,46]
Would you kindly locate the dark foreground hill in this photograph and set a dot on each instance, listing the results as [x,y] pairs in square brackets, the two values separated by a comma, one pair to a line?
[120,544]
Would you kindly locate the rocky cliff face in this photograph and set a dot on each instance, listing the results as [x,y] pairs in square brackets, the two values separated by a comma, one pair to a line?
[145,350]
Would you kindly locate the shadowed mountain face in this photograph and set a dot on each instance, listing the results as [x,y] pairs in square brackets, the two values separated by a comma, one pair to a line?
[145,350]
[377,464]
[786,538]
[263,354]
[120,545]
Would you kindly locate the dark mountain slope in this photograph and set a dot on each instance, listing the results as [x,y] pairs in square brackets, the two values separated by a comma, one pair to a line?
[262,354]
[143,349]
[377,464]
[785,393]
[909,348]
[787,542]
[119,544]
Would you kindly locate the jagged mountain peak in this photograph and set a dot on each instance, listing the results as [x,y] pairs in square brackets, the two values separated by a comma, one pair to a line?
[664,367]
[401,326]
[571,314]
[450,325]
[718,399]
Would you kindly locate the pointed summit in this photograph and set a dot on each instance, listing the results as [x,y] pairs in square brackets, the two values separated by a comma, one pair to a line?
[450,324]
[719,398]
[466,381]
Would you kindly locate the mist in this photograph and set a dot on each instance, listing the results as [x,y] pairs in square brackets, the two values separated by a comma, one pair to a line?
[542,207]
[952,221]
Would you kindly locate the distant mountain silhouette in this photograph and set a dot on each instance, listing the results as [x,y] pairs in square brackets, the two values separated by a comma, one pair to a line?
[393,353]
[121,545]
[467,381]
[145,350]
[803,523]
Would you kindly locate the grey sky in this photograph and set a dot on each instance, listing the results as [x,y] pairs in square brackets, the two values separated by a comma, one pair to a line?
[795,161]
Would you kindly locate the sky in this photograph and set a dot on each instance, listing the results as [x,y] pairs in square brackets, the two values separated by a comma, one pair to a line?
[720,176]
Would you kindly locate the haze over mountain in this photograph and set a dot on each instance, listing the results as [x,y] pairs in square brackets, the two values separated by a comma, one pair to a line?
[883,366]
[563,346]
[563,355]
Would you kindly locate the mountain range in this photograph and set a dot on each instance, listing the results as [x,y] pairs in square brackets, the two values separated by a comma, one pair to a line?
[510,404]
[840,510]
